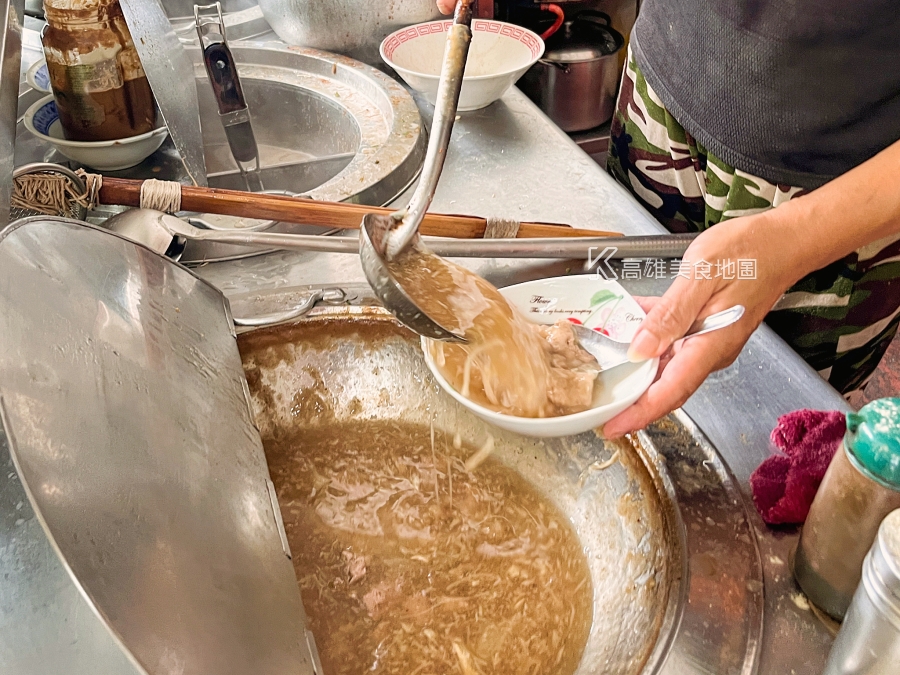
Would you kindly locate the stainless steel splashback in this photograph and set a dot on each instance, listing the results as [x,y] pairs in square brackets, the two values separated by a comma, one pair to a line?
[12,14]
[136,461]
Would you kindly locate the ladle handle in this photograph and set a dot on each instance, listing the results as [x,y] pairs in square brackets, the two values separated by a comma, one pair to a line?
[569,248]
[456,51]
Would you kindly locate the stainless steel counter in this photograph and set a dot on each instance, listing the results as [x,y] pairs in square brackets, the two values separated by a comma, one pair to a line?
[509,160]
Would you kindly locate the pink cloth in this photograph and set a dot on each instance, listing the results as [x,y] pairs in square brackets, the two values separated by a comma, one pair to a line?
[784,485]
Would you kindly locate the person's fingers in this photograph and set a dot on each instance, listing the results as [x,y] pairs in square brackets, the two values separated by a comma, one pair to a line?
[446,6]
[667,393]
[664,361]
[647,302]
[669,318]
[681,377]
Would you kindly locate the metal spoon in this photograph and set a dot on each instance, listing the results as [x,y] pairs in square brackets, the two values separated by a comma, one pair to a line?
[611,353]
[383,238]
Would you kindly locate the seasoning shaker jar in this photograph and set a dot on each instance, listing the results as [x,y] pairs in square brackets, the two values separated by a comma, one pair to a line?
[101,91]
[869,639]
[860,487]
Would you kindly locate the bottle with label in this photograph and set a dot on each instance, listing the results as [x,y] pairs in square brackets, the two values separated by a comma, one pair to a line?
[100,88]
[861,486]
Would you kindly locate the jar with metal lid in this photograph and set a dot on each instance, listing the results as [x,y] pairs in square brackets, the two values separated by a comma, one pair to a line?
[861,486]
[101,91]
[869,640]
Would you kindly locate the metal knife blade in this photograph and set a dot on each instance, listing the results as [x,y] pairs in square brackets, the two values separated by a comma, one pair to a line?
[168,69]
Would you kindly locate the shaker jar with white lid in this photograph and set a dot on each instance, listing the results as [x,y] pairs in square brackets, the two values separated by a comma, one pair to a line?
[869,640]
[861,486]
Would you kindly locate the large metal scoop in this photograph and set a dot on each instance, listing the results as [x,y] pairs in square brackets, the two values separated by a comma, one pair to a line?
[384,238]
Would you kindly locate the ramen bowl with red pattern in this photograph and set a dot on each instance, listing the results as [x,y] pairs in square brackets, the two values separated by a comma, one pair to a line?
[499,55]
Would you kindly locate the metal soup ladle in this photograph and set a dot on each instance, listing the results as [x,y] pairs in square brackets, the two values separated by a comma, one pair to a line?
[383,238]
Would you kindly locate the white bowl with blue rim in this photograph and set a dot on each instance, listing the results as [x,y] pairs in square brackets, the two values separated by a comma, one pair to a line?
[596,303]
[42,120]
[38,77]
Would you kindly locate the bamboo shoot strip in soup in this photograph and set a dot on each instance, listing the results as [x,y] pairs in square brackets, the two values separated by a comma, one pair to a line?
[410,564]
[508,364]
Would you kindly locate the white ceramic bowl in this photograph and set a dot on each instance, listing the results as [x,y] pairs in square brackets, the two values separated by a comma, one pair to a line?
[596,303]
[42,120]
[499,55]
[38,76]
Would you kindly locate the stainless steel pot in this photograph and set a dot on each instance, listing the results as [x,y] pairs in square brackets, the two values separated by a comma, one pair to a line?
[575,82]
[352,27]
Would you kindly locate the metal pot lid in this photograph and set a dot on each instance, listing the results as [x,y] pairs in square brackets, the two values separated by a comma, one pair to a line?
[124,401]
[587,37]
[574,54]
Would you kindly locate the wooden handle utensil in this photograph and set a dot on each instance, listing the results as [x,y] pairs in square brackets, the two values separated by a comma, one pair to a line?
[261,206]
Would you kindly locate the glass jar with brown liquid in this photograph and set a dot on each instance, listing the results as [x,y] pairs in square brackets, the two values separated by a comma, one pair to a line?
[100,88]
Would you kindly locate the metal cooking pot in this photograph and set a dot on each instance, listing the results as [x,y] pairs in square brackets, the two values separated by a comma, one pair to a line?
[575,82]
[352,27]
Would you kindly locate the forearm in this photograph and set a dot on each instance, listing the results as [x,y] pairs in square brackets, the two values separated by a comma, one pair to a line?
[851,211]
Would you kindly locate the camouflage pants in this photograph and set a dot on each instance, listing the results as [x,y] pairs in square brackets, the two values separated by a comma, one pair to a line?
[840,319]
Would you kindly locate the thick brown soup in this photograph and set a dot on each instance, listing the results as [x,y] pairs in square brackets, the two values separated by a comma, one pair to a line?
[408,563]
[508,364]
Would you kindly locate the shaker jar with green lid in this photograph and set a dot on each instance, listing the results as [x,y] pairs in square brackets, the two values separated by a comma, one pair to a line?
[861,486]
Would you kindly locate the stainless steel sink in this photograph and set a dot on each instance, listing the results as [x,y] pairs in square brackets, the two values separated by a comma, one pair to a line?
[299,151]
[328,127]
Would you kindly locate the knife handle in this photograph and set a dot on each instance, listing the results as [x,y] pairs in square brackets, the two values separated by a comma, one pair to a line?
[224,78]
